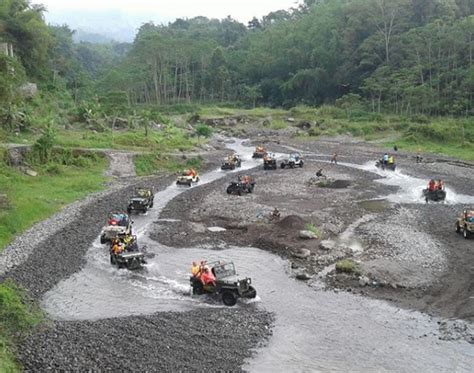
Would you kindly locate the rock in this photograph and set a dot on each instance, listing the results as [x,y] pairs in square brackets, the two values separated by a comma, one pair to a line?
[290,120]
[28,90]
[364,281]
[30,172]
[304,125]
[327,245]
[303,276]
[307,235]
[302,254]
[216,229]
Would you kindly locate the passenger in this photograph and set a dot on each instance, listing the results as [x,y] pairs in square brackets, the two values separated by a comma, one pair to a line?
[195,270]
[431,185]
[319,173]
[385,158]
[334,158]
[207,278]
[390,160]
[117,248]
[440,185]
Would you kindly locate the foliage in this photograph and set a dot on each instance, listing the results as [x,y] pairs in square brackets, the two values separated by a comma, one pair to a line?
[17,316]
[59,182]
[149,164]
[203,130]
[43,147]
[312,228]
[347,266]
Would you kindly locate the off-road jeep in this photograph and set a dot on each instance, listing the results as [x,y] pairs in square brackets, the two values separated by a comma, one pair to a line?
[231,162]
[465,223]
[141,201]
[294,160]
[118,224]
[259,152]
[187,178]
[269,162]
[229,286]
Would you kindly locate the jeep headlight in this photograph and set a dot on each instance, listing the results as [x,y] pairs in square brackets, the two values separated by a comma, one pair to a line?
[249,281]
[238,283]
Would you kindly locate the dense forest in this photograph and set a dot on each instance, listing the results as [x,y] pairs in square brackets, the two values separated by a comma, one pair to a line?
[395,56]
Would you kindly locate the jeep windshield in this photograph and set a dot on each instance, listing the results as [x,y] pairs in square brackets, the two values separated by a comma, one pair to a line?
[224,270]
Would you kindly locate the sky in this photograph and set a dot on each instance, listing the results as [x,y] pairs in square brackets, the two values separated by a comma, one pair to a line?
[168,10]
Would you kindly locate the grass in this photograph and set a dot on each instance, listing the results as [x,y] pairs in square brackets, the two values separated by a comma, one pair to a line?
[149,164]
[347,266]
[18,315]
[170,139]
[312,228]
[32,199]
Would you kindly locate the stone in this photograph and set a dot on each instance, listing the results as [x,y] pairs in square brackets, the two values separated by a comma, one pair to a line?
[327,245]
[303,276]
[363,281]
[302,254]
[307,235]
[290,120]
[30,172]
[28,90]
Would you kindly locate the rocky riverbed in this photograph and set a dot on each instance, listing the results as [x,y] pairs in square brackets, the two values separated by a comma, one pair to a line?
[403,250]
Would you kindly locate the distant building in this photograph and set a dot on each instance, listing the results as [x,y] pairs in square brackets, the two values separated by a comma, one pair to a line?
[6,48]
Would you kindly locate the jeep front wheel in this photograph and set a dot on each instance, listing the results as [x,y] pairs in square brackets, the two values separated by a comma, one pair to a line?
[198,289]
[229,299]
[465,233]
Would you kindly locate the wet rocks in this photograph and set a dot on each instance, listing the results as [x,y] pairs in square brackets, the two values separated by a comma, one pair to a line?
[302,254]
[364,281]
[327,245]
[307,235]
[303,276]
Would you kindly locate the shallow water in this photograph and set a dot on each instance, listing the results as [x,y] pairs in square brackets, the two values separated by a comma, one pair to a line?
[314,330]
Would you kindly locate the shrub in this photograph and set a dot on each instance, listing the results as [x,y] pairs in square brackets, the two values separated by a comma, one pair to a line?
[203,130]
[347,266]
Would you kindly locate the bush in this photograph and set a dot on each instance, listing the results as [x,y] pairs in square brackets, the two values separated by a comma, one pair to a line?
[203,130]
[347,266]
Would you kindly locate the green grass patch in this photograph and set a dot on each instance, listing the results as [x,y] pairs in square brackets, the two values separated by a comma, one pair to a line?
[32,199]
[169,139]
[312,228]
[18,315]
[347,266]
[149,164]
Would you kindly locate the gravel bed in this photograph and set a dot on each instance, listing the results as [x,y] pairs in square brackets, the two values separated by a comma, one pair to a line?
[202,340]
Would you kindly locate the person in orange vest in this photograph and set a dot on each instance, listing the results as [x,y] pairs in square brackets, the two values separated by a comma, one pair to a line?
[196,270]
[116,247]
[207,278]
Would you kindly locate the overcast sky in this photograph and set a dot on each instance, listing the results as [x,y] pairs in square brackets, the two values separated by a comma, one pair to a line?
[242,10]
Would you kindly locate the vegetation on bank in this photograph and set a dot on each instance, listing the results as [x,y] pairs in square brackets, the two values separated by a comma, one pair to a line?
[149,164]
[27,200]
[18,315]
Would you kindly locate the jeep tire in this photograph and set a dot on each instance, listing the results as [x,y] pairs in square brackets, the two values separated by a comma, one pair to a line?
[229,298]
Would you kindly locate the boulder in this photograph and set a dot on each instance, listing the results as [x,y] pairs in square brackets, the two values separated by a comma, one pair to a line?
[364,281]
[303,276]
[327,245]
[290,120]
[307,235]
[302,254]
[30,172]
[304,125]
[28,90]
